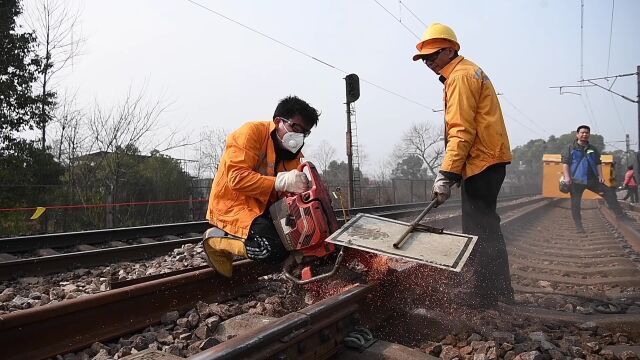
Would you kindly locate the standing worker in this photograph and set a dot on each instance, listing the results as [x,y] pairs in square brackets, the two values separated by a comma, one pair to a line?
[631,185]
[582,170]
[257,168]
[477,152]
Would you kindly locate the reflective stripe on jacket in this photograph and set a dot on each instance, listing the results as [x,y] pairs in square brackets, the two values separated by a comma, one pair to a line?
[476,134]
[244,185]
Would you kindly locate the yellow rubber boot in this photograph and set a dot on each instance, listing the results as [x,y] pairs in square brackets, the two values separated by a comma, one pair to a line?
[220,252]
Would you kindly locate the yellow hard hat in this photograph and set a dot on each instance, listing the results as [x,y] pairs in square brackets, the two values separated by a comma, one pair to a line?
[436,37]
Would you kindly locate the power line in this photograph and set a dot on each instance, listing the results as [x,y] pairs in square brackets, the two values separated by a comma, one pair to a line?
[523,114]
[581,39]
[267,36]
[523,125]
[306,54]
[613,146]
[592,83]
[412,13]
[393,16]
[613,101]
[615,107]
[593,116]
[613,5]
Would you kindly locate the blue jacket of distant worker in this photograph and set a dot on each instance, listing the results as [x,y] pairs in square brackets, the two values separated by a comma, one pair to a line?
[583,162]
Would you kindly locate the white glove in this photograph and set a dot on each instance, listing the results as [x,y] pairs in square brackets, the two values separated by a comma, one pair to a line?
[441,188]
[292,181]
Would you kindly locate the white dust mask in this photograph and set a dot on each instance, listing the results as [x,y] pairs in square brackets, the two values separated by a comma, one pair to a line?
[293,141]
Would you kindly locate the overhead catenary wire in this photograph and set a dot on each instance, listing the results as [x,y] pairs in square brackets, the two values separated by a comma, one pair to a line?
[613,102]
[590,110]
[290,47]
[613,6]
[397,19]
[587,104]
[581,39]
[523,125]
[613,146]
[523,114]
[412,13]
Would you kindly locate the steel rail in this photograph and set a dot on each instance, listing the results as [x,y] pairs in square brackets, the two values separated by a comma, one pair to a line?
[73,324]
[69,239]
[629,231]
[45,331]
[64,262]
[292,336]
[311,333]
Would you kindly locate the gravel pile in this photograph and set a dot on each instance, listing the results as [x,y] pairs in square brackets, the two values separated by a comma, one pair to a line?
[29,292]
[500,336]
[185,334]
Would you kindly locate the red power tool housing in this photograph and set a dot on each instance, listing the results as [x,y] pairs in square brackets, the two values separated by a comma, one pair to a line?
[305,220]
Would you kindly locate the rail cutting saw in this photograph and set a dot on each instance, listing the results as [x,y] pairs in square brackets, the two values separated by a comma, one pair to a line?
[309,229]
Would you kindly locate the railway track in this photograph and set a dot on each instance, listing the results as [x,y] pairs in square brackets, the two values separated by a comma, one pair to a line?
[536,231]
[598,271]
[45,254]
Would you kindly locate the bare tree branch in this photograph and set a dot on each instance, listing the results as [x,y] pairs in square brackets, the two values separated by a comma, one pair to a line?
[324,154]
[55,24]
[210,149]
[424,141]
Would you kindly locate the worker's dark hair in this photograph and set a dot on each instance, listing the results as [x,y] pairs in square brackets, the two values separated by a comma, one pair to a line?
[630,167]
[292,106]
[583,127]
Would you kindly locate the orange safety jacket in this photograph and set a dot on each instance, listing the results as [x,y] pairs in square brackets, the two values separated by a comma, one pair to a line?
[475,130]
[244,186]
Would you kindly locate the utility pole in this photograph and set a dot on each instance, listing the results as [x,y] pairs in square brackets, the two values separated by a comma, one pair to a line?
[353,93]
[628,148]
[636,163]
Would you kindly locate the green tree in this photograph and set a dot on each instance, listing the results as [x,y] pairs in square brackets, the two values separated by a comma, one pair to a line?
[136,178]
[410,168]
[336,174]
[527,166]
[29,177]
[55,24]
[19,66]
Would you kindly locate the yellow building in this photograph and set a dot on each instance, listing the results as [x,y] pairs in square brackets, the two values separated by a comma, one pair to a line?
[553,171]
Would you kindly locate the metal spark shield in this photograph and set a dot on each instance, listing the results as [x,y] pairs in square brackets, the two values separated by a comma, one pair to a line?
[377,234]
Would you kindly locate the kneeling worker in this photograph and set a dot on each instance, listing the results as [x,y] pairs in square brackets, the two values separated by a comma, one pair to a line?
[257,168]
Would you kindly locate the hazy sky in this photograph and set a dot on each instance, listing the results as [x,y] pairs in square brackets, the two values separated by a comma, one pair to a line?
[218,74]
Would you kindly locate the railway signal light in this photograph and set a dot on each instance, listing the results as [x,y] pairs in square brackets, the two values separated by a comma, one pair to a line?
[353,87]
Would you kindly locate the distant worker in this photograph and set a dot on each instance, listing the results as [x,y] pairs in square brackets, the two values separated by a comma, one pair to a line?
[582,170]
[631,185]
[257,168]
[477,152]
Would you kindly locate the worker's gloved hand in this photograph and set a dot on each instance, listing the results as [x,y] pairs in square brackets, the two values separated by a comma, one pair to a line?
[441,188]
[293,181]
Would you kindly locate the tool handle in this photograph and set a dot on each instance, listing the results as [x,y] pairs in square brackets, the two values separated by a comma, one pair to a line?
[412,226]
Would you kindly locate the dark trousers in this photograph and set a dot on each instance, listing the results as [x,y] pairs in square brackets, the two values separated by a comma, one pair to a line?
[490,279]
[263,243]
[607,193]
[632,192]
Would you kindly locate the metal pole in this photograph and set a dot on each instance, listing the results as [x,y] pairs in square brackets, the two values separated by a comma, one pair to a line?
[628,148]
[350,156]
[636,164]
